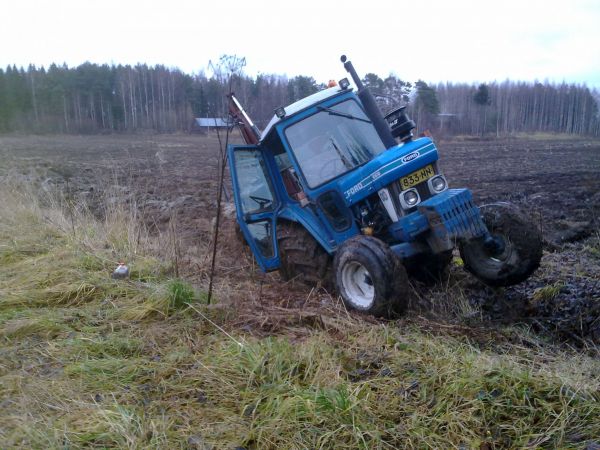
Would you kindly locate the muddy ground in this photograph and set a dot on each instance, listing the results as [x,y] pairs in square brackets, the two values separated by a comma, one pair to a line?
[171,180]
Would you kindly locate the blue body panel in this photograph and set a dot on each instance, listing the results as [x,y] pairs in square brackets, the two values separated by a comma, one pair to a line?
[390,166]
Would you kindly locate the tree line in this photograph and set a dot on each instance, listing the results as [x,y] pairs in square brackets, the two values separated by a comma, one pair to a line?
[93,98]
[509,107]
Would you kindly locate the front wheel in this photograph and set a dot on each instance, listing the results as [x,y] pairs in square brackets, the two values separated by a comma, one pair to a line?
[370,277]
[517,252]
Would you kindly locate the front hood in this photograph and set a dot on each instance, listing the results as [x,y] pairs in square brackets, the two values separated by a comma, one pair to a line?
[391,165]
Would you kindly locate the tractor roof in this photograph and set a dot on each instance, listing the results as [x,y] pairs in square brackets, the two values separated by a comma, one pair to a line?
[300,105]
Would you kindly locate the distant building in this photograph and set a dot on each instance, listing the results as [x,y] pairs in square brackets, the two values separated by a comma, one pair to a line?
[206,124]
[448,122]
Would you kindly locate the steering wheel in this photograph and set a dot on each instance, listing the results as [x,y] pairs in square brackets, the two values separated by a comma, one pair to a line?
[318,144]
[262,202]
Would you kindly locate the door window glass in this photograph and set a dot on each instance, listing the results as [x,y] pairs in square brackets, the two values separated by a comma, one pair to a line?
[263,236]
[256,192]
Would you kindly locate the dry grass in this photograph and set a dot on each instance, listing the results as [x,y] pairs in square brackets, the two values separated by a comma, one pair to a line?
[87,361]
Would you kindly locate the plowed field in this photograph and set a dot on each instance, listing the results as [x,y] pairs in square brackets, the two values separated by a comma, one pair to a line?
[172,180]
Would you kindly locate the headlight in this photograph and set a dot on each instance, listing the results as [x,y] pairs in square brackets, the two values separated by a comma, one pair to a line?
[409,198]
[437,184]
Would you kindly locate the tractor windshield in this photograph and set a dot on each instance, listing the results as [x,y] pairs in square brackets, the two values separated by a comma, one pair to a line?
[333,141]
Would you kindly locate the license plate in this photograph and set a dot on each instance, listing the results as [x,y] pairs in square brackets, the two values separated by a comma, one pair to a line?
[418,176]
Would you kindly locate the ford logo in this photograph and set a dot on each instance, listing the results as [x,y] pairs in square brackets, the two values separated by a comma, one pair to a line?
[410,157]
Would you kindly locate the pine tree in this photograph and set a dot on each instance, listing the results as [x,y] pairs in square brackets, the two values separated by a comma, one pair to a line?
[300,87]
[427,105]
[483,99]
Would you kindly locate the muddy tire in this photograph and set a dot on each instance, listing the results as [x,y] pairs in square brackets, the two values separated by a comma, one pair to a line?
[429,269]
[370,278]
[302,257]
[522,247]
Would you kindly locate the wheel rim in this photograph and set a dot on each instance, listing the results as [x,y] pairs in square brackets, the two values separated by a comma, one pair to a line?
[487,261]
[358,284]
[506,253]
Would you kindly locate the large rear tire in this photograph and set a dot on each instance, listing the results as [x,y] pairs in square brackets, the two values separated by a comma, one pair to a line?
[302,257]
[521,251]
[370,277]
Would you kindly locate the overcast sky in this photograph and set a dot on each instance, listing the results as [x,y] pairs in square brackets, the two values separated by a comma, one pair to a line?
[435,40]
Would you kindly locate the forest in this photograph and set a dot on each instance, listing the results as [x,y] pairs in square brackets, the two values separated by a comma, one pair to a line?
[93,98]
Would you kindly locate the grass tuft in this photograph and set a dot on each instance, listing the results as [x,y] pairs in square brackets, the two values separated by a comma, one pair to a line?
[179,293]
[547,293]
[160,299]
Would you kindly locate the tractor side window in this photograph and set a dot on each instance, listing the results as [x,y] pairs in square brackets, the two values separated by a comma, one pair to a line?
[256,192]
[282,159]
[333,206]
[284,166]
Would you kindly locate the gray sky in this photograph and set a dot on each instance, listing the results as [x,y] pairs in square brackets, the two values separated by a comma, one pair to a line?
[435,40]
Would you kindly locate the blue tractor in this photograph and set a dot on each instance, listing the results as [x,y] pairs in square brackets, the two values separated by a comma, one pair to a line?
[333,190]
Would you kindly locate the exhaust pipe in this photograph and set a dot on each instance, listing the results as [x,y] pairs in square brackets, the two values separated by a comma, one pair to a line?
[371,108]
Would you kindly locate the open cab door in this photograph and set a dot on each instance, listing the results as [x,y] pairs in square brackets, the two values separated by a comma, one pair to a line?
[256,202]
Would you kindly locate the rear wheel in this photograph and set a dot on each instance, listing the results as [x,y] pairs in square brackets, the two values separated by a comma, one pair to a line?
[518,251]
[302,257]
[370,277]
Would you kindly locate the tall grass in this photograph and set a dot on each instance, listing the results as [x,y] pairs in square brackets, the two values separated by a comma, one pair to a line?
[87,361]
[57,252]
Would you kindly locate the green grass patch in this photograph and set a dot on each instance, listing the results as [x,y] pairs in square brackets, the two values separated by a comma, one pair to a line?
[161,299]
[111,346]
[105,374]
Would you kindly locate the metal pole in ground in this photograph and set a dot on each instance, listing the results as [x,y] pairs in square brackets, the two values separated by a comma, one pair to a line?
[234,64]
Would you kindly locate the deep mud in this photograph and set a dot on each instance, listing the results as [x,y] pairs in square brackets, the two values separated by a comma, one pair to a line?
[558,183]
[171,181]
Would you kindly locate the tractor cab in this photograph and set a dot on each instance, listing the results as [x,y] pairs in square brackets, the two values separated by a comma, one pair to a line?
[332,189]
[298,157]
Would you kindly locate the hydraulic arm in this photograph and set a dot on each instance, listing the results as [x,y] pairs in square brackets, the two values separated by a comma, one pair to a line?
[249,131]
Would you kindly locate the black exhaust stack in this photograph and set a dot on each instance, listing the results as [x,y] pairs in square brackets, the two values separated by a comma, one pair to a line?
[371,108]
